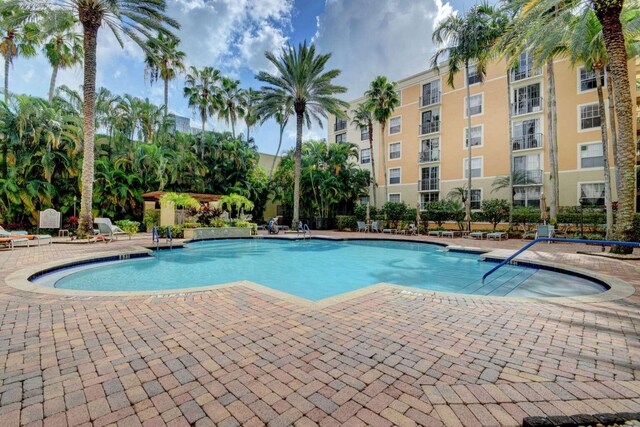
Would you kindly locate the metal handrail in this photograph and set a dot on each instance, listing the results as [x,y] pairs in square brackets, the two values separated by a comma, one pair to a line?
[554,239]
[169,238]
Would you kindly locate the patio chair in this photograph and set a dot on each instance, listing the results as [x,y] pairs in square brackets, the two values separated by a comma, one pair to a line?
[451,233]
[498,235]
[527,233]
[376,226]
[563,232]
[108,230]
[21,234]
[11,242]
[437,233]
[361,226]
[545,231]
[478,234]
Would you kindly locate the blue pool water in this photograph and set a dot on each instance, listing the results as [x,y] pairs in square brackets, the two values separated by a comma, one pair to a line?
[317,269]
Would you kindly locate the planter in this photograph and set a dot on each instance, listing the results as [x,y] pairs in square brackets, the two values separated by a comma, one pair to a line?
[216,233]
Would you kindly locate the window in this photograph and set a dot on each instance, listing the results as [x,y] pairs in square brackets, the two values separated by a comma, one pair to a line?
[430,121]
[591,156]
[430,93]
[395,125]
[476,198]
[527,196]
[476,105]
[430,150]
[426,198]
[474,76]
[589,116]
[592,194]
[588,79]
[341,124]
[526,135]
[341,137]
[364,200]
[394,176]
[365,156]
[395,197]
[429,179]
[476,167]
[527,100]
[394,151]
[364,134]
[524,69]
[399,93]
[527,170]
[476,136]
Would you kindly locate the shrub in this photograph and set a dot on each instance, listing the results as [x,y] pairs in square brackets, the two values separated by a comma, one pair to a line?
[191,225]
[394,211]
[437,212]
[129,226]
[218,222]
[151,218]
[495,211]
[360,212]
[205,214]
[176,231]
[410,215]
[526,215]
[346,223]
[181,200]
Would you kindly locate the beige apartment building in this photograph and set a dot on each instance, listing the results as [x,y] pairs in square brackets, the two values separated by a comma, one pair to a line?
[426,139]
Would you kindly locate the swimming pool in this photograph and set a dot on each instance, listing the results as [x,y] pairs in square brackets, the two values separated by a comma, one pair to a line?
[317,269]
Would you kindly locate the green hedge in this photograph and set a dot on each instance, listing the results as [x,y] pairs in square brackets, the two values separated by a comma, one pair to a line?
[129,226]
[346,222]
[176,231]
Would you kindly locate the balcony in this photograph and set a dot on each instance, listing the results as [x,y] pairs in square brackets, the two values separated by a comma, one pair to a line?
[429,156]
[527,106]
[340,125]
[430,98]
[429,127]
[527,142]
[528,177]
[432,184]
[525,73]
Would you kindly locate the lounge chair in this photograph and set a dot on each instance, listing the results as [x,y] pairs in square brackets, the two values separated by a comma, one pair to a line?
[451,233]
[108,230]
[498,235]
[361,226]
[376,226]
[437,233]
[564,232]
[545,231]
[478,234]
[21,234]
[12,242]
[527,233]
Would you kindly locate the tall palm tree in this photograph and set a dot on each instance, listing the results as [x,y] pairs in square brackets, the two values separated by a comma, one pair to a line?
[125,18]
[383,98]
[203,95]
[20,36]
[231,106]
[164,61]
[363,120]
[250,102]
[62,44]
[301,79]
[279,108]
[466,40]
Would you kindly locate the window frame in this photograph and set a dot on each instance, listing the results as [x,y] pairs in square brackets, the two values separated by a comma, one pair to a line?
[584,144]
[580,184]
[399,176]
[480,201]
[341,134]
[580,118]
[389,129]
[399,144]
[481,113]
[579,79]
[394,194]
[464,167]
[362,157]
[464,136]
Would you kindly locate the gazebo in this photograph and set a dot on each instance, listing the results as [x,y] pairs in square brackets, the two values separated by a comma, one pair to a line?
[168,214]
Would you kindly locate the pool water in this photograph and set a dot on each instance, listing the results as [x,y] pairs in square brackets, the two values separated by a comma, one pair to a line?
[317,269]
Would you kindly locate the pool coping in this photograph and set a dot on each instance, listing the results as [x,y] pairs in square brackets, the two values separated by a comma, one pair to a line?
[20,280]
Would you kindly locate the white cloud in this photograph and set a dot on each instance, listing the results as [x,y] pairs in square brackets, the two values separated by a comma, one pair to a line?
[392,38]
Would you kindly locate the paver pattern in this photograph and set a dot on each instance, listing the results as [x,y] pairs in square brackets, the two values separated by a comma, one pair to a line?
[237,356]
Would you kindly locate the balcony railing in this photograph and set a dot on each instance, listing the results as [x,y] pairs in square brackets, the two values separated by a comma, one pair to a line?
[528,177]
[340,125]
[528,141]
[429,127]
[525,73]
[430,98]
[429,156]
[526,106]
[432,184]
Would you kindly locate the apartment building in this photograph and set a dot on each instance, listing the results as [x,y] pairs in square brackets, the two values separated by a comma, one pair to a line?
[426,139]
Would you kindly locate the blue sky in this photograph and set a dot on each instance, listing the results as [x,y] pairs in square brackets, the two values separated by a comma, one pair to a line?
[366,38]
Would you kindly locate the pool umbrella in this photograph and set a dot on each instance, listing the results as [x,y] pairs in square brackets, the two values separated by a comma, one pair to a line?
[467,216]
[418,219]
[543,209]
[368,213]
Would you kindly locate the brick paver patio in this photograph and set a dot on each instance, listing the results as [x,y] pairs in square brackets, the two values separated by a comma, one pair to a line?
[237,356]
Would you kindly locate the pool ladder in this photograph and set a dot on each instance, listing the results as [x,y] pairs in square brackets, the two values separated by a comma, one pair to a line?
[155,237]
[305,230]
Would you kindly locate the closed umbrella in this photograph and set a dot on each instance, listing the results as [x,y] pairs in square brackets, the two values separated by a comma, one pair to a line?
[368,213]
[467,216]
[543,209]
[418,219]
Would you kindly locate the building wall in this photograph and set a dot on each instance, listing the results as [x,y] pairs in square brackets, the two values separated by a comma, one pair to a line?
[494,123]
[266,161]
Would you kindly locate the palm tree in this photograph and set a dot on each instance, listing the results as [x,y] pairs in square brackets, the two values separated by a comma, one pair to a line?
[231,102]
[250,102]
[279,108]
[303,82]
[363,120]
[134,20]
[164,61]
[466,40]
[202,92]
[62,45]
[20,37]
[383,98]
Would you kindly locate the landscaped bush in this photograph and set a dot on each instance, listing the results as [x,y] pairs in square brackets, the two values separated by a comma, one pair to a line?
[438,212]
[495,211]
[410,215]
[176,231]
[129,226]
[360,212]
[589,219]
[394,211]
[526,215]
[205,214]
[151,218]
[346,223]
[218,222]
[191,225]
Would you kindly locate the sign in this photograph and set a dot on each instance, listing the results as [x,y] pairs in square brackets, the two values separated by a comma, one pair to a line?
[50,218]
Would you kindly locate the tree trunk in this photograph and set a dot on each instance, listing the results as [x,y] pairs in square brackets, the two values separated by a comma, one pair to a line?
[233,128]
[298,167]
[384,162]
[468,136]
[85,221]
[273,165]
[605,153]
[373,166]
[608,13]
[204,120]
[552,142]
[248,138]
[166,98]
[612,126]
[7,62]
[52,83]
[510,113]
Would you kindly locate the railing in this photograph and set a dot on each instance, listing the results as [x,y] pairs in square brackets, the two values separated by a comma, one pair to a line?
[526,106]
[432,184]
[340,125]
[429,127]
[528,141]
[155,236]
[525,73]
[430,98]
[169,238]
[530,176]
[552,239]
[429,156]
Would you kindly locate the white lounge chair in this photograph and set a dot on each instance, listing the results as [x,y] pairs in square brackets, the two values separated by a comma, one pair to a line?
[545,231]
[108,230]
[21,234]
[361,226]
[498,235]
[478,234]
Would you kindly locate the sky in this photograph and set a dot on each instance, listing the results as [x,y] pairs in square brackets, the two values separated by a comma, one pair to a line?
[366,38]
